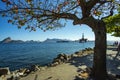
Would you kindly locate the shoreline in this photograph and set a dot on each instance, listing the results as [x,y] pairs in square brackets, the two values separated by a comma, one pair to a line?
[62,60]
[25,55]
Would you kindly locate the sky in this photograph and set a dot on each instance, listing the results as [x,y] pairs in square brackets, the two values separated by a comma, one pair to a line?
[69,32]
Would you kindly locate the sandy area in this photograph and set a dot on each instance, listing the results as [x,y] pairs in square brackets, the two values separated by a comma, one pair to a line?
[69,71]
[60,72]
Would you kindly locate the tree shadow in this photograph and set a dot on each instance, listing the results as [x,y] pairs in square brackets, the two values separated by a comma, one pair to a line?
[113,66]
[114,49]
[84,60]
[81,61]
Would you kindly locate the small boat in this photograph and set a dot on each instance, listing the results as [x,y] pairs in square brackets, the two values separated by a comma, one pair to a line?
[62,41]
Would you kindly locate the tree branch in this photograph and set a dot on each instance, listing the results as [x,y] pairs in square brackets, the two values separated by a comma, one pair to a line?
[72,8]
[87,6]
[111,13]
[102,2]
[92,3]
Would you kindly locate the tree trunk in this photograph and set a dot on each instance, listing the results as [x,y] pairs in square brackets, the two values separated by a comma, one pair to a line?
[99,71]
[99,61]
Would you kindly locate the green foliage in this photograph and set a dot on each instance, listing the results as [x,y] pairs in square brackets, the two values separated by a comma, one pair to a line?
[113,25]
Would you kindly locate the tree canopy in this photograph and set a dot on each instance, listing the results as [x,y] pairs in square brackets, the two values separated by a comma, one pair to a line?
[113,25]
[47,14]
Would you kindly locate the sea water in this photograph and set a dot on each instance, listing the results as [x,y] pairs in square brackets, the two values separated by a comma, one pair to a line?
[20,55]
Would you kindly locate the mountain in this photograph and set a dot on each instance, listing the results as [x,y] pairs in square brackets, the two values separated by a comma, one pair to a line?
[9,40]
[32,41]
[6,40]
[16,41]
[56,40]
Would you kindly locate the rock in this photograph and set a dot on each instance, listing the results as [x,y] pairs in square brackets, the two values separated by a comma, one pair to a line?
[8,75]
[89,70]
[79,54]
[27,71]
[74,55]
[76,52]
[33,68]
[61,58]
[15,74]
[84,75]
[83,52]
[84,72]
[4,71]
[83,67]
[57,60]
[3,77]
[37,67]
[21,72]
[54,64]
[88,49]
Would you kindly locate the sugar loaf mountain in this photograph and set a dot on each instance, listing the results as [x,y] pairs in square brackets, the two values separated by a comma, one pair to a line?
[9,40]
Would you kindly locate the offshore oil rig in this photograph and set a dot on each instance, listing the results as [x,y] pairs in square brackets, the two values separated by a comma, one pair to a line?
[82,40]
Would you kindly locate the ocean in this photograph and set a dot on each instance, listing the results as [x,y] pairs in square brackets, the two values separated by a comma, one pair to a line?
[21,55]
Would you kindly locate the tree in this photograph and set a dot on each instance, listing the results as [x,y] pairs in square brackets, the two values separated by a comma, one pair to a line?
[113,25]
[47,15]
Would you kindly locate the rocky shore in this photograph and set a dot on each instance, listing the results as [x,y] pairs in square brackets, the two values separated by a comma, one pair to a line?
[76,66]
[6,74]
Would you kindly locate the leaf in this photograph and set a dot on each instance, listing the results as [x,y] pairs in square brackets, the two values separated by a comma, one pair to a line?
[21,22]
[10,21]
[8,3]
[19,27]
[3,15]
[73,2]
[78,1]
[113,25]
[4,0]
[15,18]
[28,1]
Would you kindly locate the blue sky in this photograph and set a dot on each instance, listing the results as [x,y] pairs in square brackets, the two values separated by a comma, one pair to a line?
[69,32]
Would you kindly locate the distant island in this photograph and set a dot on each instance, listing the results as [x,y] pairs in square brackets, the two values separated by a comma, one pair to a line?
[9,40]
[54,40]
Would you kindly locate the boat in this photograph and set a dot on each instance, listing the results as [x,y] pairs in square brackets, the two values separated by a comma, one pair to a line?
[62,41]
